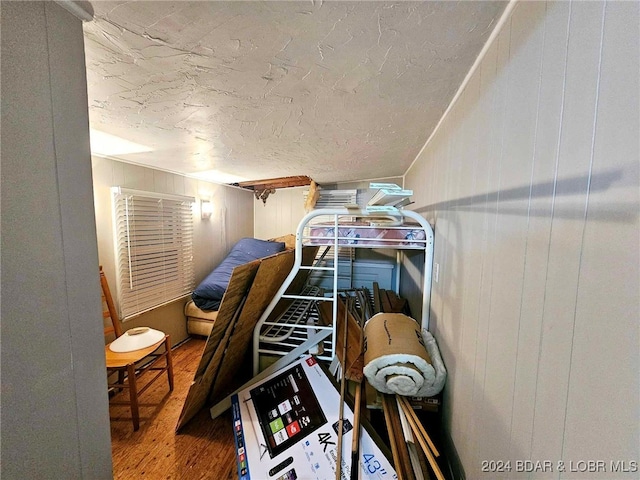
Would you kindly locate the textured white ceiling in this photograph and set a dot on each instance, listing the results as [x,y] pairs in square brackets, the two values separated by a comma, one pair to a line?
[334,90]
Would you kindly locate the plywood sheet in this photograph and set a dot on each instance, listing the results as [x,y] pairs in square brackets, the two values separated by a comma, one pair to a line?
[271,274]
[355,360]
[239,284]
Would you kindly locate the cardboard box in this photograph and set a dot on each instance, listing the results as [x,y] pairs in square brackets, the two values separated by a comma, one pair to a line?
[426,404]
[285,428]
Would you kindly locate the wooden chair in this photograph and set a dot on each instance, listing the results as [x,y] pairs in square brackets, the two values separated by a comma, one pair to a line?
[131,364]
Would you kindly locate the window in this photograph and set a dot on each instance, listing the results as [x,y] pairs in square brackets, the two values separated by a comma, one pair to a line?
[153,236]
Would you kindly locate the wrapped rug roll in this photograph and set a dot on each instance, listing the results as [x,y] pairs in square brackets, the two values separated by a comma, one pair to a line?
[400,359]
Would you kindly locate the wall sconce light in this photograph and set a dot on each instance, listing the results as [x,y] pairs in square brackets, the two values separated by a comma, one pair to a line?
[206,209]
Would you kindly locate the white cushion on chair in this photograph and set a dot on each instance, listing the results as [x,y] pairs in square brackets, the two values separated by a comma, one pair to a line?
[134,339]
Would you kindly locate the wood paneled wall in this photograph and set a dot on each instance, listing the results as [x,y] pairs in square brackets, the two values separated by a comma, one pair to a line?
[231,220]
[532,184]
[55,419]
[280,214]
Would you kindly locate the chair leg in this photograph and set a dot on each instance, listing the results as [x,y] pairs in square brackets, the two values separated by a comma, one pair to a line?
[167,346]
[133,396]
[120,380]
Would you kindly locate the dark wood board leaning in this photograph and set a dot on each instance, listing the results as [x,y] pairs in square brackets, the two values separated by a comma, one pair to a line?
[239,285]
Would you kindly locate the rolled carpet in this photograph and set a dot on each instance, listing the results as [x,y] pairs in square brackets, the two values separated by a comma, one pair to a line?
[401,359]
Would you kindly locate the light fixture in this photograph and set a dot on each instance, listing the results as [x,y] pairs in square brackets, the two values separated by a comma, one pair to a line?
[206,209]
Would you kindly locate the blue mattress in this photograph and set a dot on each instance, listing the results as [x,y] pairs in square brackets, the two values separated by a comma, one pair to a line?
[208,295]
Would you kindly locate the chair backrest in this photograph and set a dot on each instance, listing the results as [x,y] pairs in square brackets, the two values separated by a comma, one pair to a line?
[111,311]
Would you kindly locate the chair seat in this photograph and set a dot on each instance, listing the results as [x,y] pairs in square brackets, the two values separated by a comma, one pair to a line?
[127,364]
[119,360]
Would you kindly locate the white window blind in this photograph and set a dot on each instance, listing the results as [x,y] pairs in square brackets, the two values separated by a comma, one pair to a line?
[153,236]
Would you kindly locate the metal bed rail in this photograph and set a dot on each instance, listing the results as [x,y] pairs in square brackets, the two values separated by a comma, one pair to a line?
[278,337]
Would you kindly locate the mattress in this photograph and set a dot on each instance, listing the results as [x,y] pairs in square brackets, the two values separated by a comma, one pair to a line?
[199,322]
[363,233]
[209,293]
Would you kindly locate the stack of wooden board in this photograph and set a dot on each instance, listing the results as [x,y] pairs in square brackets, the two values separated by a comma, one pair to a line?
[388,301]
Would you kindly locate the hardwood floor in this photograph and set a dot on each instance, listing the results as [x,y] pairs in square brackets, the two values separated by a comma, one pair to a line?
[204,448]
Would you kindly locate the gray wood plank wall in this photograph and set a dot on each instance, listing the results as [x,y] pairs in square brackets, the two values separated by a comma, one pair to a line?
[55,419]
[231,220]
[532,184]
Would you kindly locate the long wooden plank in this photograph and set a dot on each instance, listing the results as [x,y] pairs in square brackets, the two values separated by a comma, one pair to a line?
[239,284]
[355,357]
[418,424]
[385,302]
[395,438]
[280,182]
[422,437]
[271,274]
[343,384]
[377,303]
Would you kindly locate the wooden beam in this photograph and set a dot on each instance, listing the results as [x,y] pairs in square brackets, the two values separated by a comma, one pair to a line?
[282,182]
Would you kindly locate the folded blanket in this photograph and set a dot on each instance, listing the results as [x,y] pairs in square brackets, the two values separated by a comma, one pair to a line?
[400,359]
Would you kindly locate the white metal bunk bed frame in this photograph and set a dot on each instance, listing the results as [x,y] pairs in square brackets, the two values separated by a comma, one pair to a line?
[318,333]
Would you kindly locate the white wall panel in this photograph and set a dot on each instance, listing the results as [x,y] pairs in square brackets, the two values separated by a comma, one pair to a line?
[55,419]
[546,137]
[517,144]
[567,223]
[532,184]
[463,261]
[606,315]
[472,262]
[281,213]
[489,420]
[485,213]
